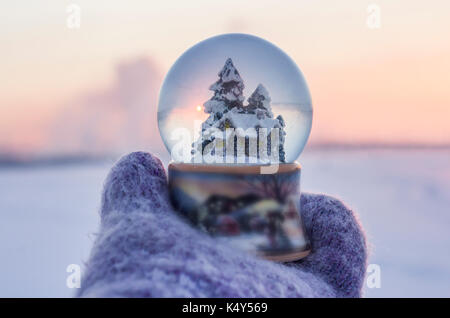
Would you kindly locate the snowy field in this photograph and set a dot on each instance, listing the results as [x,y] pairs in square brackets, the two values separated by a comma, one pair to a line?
[49,218]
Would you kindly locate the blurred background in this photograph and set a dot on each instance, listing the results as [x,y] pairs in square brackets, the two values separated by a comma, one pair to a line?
[79,84]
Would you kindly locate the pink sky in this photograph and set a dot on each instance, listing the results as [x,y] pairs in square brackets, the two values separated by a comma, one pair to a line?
[384,85]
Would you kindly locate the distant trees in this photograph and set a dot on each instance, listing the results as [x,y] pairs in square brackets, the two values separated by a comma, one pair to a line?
[274,186]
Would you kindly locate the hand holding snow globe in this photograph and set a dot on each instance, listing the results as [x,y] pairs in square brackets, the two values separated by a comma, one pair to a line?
[233,172]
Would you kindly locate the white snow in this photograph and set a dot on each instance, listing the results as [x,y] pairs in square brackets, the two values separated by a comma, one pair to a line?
[403,199]
[214,106]
[229,73]
[262,95]
[49,218]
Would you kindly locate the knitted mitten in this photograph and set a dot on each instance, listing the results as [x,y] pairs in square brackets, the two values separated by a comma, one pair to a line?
[144,249]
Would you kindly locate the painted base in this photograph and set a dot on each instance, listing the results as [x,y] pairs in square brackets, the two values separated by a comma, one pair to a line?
[258,213]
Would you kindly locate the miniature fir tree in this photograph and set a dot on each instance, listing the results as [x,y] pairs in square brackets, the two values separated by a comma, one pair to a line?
[227,91]
[259,102]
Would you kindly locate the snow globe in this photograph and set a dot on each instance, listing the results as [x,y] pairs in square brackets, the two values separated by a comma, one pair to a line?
[234,137]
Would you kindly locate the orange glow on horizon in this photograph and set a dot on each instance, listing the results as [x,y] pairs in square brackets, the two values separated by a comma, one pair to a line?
[386,85]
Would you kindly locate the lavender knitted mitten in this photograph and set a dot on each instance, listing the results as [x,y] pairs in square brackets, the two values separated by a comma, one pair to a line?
[143,249]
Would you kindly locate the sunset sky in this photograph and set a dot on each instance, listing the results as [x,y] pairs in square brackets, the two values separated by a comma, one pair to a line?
[386,85]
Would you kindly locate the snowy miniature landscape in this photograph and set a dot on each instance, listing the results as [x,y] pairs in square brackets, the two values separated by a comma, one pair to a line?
[228,111]
[49,218]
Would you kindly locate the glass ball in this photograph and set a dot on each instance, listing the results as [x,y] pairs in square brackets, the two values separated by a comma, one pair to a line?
[243,87]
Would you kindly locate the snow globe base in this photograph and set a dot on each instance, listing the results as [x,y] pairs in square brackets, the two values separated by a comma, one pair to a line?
[253,211]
